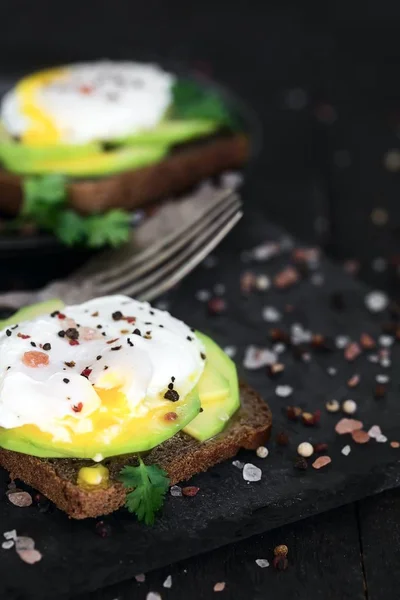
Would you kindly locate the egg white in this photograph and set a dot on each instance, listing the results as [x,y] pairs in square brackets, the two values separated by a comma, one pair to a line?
[141,366]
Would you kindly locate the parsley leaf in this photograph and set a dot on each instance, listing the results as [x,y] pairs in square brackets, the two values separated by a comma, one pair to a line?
[150,485]
[45,204]
[110,228]
[191,100]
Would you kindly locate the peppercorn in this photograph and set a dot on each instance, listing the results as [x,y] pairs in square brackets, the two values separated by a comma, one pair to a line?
[282,438]
[72,333]
[280,563]
[301,463]
[321,447]
[117,315]
[279,335]
[281,550]
[293,412]
[380,391]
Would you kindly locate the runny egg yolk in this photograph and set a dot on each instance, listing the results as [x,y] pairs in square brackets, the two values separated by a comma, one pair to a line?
[42,129]
[111,424]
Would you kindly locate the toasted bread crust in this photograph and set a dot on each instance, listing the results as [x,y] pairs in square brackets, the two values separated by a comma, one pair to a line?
[176,173]
[181,456]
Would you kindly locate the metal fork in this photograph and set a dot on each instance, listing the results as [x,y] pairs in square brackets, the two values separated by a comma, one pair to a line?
[147,273]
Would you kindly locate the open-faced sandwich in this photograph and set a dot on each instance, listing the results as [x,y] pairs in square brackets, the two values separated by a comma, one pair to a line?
[108,136]
[111,401]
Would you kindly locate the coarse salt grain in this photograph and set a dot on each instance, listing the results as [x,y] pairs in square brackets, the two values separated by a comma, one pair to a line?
[20,499]
[238,464]
[262,562]
[140,578]
[255,358]
[262,452]
[230,351]
[331,371]
[375,431]
[203,295]
[279,348]
[30,556]
[7,545]
[382,439]
[10,535]
[346,450]
[271,314]
[341,341]
[24,543]
[251,472]
[376,301]
[283,391]
[332,406]
[168,582]
[395,444]
[219,289]
[373,358]
[386,341]
[382,378]
[176,491]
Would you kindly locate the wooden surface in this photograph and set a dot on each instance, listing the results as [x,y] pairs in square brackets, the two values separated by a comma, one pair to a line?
[351,553]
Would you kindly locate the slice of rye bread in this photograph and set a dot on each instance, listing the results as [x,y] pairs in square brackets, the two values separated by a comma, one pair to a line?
[176,173]
[181,457]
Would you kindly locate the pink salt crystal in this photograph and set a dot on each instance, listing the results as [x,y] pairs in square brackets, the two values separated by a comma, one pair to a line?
[30,556]
[360,436]
[321,461]
[352,351]
[348,426]
[286,278]
[219,587]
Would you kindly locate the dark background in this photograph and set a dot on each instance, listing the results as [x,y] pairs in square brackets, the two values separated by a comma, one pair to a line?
[324,79]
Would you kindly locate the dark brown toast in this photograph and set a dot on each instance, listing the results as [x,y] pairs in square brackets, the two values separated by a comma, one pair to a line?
[176,173]
[181,456]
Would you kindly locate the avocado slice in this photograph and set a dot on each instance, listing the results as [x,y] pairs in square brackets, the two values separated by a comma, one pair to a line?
[137,434]
[170,132]
[31,312]
[96,164]
[218,390]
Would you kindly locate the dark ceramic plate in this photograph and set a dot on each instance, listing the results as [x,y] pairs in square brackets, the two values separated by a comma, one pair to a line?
[29,261]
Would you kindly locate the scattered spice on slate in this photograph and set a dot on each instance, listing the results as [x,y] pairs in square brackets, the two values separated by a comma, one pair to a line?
[346,450]
[140,578]
[280,563]
[360,437]
[380,391]
[279,335]
[168,582]
[349,407]
[219,586]
[301,463]
[263,283]
[282,438]
[376,301]
[309,419]
[320,447]
[171,395]
[216,306]
[353,381]
[238,464]
[281,550]
[322,343]
[271,314]
[395,444]
[352,351]
[367,342]
[293,413]
[321,461]
[275,369]
[103,529]
[286,278]
[190,490]
[375,431]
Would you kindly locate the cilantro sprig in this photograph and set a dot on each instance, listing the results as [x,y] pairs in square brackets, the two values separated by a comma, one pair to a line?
[150,485]
[45,204]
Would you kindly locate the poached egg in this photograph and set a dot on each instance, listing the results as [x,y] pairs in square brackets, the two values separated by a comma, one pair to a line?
[86,102]
[63,372]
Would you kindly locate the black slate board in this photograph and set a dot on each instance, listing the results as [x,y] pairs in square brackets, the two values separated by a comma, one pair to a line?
[76,559]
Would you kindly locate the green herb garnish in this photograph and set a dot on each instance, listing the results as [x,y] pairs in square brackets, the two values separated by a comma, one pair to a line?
[190,100]
[45,204]
[150,485]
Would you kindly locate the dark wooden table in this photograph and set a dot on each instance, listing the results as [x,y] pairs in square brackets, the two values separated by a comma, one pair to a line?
[351,553]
